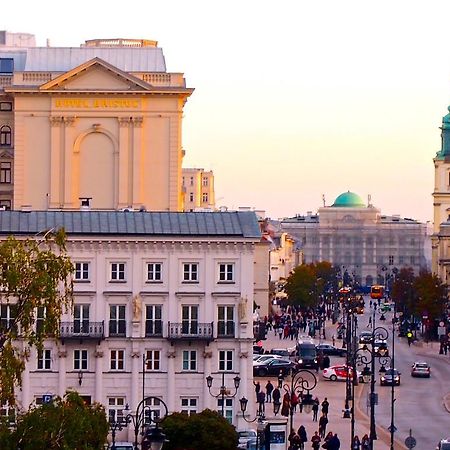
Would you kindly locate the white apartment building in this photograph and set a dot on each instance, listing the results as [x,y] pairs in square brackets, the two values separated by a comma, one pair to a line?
[198,189]
[175,289]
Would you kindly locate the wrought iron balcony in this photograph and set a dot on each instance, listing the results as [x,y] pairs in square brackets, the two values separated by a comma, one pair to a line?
[82,330]
[190,331]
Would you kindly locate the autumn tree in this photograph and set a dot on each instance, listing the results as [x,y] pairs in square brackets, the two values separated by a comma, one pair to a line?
[35,282]
[431,296]
[403,292]
[207,430]
[63,424]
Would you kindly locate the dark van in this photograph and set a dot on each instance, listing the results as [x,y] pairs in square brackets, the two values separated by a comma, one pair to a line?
[307,354]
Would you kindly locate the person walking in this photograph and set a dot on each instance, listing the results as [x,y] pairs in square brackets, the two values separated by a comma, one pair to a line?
[365,442]
[356,444]
[315,409]
[286,407]
[276,395]
[269,390]
[303,436]
[325,406]
[261,399]
[323,422]
[315,440]
[334,443]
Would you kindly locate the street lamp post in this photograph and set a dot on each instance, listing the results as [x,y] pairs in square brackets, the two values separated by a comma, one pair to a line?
[115,425]
[152,438]
[224,392]
[301,381]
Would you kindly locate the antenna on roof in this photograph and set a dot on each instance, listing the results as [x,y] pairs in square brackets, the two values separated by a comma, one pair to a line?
[323,199]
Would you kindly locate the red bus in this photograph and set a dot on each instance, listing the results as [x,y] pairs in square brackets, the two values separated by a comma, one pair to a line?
[377,291]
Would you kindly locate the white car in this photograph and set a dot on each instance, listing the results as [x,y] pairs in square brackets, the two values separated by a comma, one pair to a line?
[335,373]
[262,358]
[244,437]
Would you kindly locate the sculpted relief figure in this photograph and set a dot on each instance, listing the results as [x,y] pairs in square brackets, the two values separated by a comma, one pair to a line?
[137,307]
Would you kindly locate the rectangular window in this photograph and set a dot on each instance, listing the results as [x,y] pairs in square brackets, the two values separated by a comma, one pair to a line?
[80,360]
[191,196]
[81,271]
[44,359]
[5,106]
[391,260]
[153,360]
[205,197]
[225,324]
[189,319]
[205,181]
[117,322]
[81,319]
[228,408]
[116,406]
[5,136]
[189,360]
[117,360]
[5,205]
[154,272]
[5,172]
[153,320]
[7,318]
[226,273]
[190,272]
[7,66]
[117,271]
[225,360]
[189,406]
[412,260]
[192,181]
[152,410]
[40,317]
[8,413]
[401,259]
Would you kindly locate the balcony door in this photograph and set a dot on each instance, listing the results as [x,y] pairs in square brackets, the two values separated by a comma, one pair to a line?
[189,319]
[81,319]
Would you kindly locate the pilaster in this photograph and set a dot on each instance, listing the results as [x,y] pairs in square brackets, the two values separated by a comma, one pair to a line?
[56,162]
[124,161]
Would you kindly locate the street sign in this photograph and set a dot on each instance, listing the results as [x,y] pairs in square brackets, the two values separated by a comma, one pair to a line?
[410,442]
[441,331]
[47,398]
[393,427]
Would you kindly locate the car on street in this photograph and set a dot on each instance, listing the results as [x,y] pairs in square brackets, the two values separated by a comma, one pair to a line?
[123,446]
[444,444]
[390,377]
[261,358]
[244,437]
[380,347]
[340,373]
[421,369]
[274,367]
[365,338]
[330,350]
[284,352]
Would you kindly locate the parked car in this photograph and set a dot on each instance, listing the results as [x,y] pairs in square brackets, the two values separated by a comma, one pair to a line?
[444,444]
[390,377]
[421,369]
[284,352]
[244,437]
[330,350]
[335,373]
[261,358]
[307,354]
[273,367]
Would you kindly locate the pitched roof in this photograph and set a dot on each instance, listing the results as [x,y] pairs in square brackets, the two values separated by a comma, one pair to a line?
[214,224]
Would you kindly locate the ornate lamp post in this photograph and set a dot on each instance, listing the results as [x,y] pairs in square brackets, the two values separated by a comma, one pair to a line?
[152,438]
[224,392]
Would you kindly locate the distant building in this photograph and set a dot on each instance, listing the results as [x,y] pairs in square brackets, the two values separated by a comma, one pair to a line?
[100,121]
[198,189]
[366,245]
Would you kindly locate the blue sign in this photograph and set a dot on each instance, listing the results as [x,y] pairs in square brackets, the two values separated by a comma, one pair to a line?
[47,398]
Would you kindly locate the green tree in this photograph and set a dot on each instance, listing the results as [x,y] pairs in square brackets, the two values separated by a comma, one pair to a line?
[64,424]
[431,295]
[205,431]
[301,286]
[34,275]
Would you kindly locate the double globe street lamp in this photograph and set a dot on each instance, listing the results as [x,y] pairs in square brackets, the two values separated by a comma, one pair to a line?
[224,392]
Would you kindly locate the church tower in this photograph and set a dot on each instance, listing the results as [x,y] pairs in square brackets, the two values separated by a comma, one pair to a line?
[441,204]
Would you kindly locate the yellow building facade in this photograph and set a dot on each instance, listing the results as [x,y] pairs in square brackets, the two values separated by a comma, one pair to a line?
[93,131]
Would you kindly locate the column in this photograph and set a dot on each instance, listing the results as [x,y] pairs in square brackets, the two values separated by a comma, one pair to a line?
[98,354]
[56,198]
[123,181]
[62,373]
[171,354]
[67,169]
[136,360]
[26,398]
[136,165]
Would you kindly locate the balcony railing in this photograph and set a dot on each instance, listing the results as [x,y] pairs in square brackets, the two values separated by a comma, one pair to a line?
[189,331]
[82,330]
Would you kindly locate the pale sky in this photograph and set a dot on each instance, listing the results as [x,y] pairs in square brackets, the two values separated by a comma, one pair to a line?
[293,98]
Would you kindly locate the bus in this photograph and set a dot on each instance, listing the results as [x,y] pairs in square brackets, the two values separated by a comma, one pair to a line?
[377,291]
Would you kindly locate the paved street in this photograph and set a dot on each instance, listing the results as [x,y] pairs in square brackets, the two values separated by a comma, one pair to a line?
[419,402]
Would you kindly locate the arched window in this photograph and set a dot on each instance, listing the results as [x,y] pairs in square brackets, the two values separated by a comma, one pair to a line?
[5,136]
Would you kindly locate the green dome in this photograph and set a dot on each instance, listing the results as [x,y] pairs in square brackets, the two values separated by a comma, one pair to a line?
[349,200]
